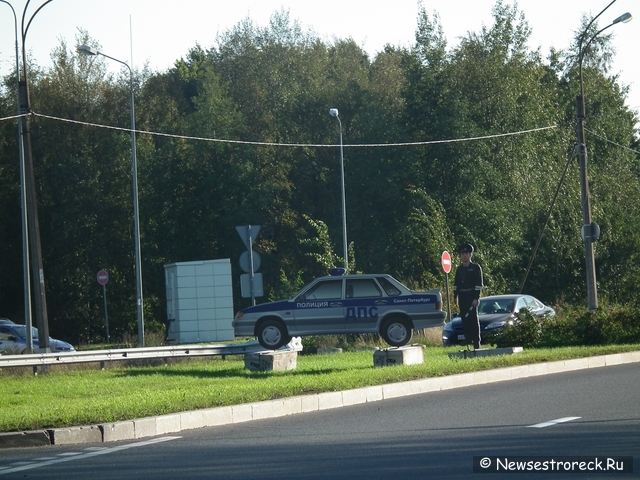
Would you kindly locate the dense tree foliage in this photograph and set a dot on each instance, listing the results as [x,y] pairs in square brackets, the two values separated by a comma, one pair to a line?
[442,145]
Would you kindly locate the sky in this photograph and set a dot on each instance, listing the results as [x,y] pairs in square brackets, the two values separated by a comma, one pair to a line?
[159,32]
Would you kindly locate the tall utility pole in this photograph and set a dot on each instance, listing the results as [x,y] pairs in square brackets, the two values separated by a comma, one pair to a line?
[23,202]
[87,50]
[37,269]
[590,231]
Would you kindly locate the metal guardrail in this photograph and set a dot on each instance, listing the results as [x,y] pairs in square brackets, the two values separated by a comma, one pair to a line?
[95,356]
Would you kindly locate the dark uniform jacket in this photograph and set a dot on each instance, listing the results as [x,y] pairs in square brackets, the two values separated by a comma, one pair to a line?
[468,282]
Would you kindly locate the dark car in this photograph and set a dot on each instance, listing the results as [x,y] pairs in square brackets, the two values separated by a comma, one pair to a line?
[494,312]
[341,305]
[13,340]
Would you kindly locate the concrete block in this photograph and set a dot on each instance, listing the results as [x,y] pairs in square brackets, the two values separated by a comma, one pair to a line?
[32,438]
[242,413]
[167,423]
[291,406]
[113,432]
[576,364]
[490,376]
[456,381]
[268,409]
[601,361]
[329,400]
[428,385]
[488,352]
[613,359]
[214,417]
[277,361]
[309,403]
[145,427]
[73,435]
[354,397]
[191,420]
[400,389]
[407,355]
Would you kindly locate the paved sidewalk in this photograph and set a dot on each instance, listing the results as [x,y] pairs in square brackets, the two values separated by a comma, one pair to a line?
[176,422]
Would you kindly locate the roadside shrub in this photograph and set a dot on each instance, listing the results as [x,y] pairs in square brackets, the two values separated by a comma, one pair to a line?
[611,325]
[526,330]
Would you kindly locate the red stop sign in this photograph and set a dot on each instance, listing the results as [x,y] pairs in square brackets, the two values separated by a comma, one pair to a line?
[446,262]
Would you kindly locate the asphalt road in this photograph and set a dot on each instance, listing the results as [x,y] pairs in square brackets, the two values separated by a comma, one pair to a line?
[434,435]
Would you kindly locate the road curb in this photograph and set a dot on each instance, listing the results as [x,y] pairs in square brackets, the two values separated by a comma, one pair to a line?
[212,417]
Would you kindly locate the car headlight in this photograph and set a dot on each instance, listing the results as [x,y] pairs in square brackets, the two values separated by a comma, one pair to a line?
[239,314]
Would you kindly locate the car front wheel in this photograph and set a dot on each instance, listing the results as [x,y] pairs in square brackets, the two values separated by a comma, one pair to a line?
[272,334]
[396,332]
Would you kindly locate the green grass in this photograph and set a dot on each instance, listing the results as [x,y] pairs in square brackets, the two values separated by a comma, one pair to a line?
[84,397]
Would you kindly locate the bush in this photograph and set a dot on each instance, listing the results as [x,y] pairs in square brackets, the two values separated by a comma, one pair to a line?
[615,325]
[525,330]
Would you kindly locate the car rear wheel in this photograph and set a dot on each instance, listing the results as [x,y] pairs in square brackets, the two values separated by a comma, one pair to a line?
[272,334]
[396,332]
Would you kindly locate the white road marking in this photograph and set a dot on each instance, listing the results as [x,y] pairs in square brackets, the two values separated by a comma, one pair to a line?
[67,457]
[553,422]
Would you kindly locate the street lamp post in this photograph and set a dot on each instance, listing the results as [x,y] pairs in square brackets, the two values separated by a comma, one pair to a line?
[23,203]
[87,50]
[334,113]
[37,269]
[590,231]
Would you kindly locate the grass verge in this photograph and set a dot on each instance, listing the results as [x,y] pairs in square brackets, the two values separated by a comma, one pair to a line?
[85,397]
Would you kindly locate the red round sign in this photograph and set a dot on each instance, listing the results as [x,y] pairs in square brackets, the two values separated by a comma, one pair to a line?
[446,262]
[103,277]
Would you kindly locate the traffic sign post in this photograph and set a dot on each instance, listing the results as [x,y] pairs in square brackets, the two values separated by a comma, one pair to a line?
[103,278]
[250,262]
[446,266]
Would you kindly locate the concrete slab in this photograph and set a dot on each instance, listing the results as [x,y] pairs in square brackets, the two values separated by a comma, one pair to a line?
[31,438]
[407,355]
[400,389]
[113,432]
[191,420]
[485,352]
[145,427]
[74,435]
[213,417]
[329,400]
[277,361]
[268,409]
[242,413]
[309,403]
[168,423]
[291,405]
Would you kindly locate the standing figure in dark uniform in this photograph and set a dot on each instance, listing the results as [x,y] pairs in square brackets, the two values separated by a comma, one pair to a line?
[466,290]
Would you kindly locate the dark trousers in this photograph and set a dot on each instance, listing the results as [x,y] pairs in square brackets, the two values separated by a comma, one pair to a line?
[470,322]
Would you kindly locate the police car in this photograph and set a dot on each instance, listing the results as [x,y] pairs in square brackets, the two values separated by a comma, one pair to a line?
[343,304]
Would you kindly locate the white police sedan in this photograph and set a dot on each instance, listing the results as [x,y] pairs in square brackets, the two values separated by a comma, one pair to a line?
[340,305]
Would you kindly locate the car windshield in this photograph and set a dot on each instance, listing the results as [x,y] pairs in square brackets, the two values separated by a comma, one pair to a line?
[489,307]
[21,330]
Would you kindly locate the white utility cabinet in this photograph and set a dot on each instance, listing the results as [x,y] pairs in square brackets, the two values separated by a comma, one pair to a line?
[199,301]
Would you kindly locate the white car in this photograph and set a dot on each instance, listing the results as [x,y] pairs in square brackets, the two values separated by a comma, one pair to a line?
[343,305]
